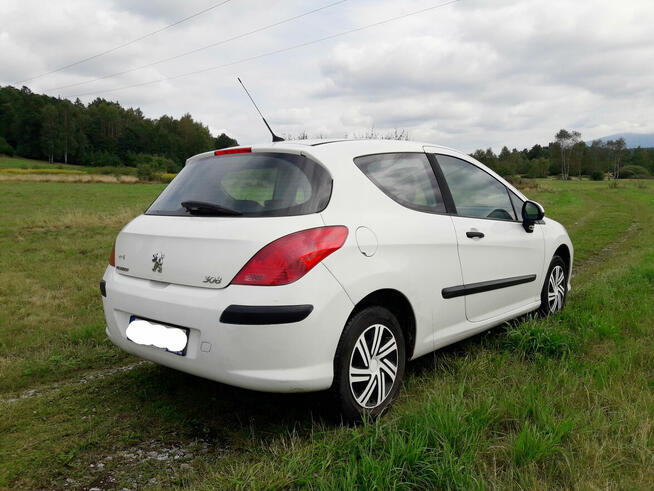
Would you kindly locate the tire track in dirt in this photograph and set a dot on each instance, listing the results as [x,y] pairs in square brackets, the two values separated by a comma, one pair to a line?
[84,379]
[607,251]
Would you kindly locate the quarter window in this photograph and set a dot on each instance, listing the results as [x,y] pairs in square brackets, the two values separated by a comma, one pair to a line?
[407,178]
[475,192]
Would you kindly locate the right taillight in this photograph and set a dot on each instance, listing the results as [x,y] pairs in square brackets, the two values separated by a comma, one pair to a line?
[112,257]
[287,259]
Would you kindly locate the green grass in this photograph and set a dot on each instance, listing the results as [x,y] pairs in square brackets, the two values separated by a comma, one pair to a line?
[21,166]
[23,163]
[565,402]
[55,240]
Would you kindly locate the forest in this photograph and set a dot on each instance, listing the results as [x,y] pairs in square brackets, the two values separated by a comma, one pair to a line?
[102,133]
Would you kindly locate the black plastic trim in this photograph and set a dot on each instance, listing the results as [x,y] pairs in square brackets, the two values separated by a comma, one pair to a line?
[260,315]
[442,183]
[485,286]
[103,288]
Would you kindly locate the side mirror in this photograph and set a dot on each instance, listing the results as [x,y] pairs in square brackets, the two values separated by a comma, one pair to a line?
[531,213]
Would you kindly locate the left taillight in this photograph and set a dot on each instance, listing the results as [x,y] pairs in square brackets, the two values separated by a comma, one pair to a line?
[289,258]
[112,257]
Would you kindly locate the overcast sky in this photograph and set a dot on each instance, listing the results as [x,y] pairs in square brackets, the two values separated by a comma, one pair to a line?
[472,74]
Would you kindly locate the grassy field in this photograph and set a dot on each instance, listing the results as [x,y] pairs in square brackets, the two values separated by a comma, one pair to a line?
[18,169]
[23,163]
[563,402]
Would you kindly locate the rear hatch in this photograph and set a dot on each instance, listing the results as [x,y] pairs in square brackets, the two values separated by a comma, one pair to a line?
[218,213]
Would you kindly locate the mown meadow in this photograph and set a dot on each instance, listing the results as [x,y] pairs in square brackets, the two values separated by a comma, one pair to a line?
[563,402]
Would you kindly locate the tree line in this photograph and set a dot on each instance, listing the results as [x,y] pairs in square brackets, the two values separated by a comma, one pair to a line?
[569,156]
[102,133]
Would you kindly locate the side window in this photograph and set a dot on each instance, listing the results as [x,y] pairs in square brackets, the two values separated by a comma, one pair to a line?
[406,178]
[517,204]
[475,193]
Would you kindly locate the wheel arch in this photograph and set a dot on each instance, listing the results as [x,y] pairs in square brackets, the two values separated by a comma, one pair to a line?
[563,251]
[398,304]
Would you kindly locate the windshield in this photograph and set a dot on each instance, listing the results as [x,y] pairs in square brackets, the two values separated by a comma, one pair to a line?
[249,185]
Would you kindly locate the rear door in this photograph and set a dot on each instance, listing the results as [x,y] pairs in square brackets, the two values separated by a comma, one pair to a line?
[500,261]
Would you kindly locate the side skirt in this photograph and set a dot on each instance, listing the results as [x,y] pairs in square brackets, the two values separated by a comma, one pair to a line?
[467,329]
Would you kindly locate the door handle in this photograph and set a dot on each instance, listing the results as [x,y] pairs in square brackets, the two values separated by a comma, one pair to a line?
[474,235]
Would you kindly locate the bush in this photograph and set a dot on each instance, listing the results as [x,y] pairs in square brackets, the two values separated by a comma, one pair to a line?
[167,177]
[145,172]
[538,167]
[157,162]
[515,180]
[597,175]
[5,148]
[634,172]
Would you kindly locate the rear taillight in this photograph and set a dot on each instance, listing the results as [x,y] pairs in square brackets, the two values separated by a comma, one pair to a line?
[289,258]
[231,151]
[112,257]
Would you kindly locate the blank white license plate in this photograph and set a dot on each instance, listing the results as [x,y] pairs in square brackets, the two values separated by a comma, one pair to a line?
[151,333]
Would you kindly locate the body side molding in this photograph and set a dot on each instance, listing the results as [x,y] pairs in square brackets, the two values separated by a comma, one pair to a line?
[485,286]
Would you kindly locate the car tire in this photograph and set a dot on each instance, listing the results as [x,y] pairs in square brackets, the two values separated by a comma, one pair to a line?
[555,288]
[369,364]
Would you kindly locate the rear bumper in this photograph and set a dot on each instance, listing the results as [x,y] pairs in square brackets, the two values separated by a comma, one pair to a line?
[241,348]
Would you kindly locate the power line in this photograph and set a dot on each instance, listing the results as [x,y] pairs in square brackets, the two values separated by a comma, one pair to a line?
[111,50]
[275,52]
[202,48]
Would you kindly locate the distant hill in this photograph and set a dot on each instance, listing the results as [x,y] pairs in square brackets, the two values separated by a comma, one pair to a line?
[633,140]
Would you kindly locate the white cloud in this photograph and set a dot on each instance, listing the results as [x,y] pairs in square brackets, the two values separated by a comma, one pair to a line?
[473,74]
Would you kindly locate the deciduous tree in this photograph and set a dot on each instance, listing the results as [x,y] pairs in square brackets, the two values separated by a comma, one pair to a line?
[566,140]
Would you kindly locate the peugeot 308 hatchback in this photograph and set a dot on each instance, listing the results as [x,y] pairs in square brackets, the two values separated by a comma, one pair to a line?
[303,266]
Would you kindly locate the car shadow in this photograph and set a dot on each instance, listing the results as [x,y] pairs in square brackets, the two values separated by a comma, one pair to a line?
[194,408]
[435,361]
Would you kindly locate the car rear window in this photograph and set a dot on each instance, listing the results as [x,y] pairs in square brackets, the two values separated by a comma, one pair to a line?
[249,184]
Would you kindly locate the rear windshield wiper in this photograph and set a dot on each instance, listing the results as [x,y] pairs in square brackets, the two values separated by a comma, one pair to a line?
[205,208]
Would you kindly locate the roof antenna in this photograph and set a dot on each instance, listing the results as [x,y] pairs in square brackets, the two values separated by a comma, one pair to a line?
[274,136]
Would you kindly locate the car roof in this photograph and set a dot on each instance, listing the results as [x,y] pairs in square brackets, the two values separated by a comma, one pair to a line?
[353,146]
[323,149]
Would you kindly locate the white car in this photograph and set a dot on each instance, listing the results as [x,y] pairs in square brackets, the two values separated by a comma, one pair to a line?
[310,265]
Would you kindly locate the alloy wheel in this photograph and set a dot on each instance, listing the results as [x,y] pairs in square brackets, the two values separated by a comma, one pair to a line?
[556,289]
[373,366]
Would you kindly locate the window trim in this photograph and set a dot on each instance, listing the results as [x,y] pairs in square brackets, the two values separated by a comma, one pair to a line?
[446,184]
[518,213]
[450,207]
[417,208]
